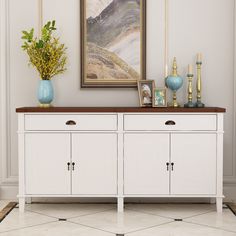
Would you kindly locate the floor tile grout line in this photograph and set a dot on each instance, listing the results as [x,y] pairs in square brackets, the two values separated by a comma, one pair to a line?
[97,212]
[208,226]
[150,227]
[168,217]
[31,226]
[54,217]
[189,217]
[152,214]
[91,227]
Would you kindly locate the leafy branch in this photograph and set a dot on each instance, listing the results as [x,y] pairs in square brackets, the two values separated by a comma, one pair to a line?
[46,54]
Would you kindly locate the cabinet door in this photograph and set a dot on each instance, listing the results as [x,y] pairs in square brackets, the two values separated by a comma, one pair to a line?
[95,158]
[46,158]
[194,158]
[145,158]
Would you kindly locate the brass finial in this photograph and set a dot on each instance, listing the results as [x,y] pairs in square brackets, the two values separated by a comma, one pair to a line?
[175,67]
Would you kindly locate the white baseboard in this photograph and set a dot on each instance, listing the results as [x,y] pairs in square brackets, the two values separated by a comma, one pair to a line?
[10,192]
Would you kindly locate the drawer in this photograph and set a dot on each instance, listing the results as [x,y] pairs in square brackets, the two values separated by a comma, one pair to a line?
[71,122]
[169,122]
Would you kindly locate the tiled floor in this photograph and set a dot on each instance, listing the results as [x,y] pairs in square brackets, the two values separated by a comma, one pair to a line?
[103,220]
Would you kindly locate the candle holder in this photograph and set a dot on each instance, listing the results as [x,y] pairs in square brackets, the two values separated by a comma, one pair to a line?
[199,103]
[190,103]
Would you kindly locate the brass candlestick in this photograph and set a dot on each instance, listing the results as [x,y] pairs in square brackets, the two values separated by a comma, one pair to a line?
[190,103]
[199,103]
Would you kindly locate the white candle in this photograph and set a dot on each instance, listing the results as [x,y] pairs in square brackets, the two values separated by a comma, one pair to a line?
[199,57]
[166,71]
[190,69]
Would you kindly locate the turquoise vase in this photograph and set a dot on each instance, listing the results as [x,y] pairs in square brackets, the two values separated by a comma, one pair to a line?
[45,93]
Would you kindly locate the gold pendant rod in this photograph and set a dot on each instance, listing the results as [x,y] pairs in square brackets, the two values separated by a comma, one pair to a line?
[40,16]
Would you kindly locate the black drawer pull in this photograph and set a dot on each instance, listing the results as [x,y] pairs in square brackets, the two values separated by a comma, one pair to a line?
[73,166]
[170,122]
[68,166]
[167,165]
[70,122]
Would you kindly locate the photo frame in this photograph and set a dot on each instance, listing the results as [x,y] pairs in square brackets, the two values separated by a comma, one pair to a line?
[113,54]
[145,89]
[159,97]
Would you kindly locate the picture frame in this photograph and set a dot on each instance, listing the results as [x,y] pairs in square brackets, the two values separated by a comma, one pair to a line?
[113,54]
[145,90]
[159,97]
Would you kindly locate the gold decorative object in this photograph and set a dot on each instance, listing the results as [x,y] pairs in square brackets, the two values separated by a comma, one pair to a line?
[199,103]
[174,82]
[190,75]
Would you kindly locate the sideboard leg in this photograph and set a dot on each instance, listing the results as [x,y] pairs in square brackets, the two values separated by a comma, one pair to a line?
[22,204]
[219,204]
[120,205]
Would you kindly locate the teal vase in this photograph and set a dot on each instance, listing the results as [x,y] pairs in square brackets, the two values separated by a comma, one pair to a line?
[45,93]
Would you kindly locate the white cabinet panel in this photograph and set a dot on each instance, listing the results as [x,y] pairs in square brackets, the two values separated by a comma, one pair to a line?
[145,158]
[194,158]
[95,158]
[46,158]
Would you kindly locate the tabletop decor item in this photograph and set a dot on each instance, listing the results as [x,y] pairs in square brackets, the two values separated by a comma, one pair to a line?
[174,82]
[48,56]
[159,97]
[113,51]
[190,75]
[199,103]
[145,88]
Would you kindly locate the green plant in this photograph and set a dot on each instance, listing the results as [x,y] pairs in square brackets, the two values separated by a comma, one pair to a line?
[46,53]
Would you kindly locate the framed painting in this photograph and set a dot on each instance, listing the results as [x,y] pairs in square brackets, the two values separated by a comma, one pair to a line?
[113,43]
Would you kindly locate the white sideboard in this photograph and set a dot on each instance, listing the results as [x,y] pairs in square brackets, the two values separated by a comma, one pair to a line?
[120,153]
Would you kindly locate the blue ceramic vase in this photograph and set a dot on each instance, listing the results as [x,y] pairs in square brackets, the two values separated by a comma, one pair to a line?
[45,93]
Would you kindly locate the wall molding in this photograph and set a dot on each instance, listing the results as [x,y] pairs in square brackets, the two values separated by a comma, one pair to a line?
[3,85]
[234,94]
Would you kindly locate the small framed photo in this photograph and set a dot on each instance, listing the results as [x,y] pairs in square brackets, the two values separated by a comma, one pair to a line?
[159,97]
[145,88]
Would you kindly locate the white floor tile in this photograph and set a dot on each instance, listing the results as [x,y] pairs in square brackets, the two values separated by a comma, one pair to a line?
[57,229]
[173,211]
[226,220]
[128,221]
[182,229]
[16,220]
[69,210]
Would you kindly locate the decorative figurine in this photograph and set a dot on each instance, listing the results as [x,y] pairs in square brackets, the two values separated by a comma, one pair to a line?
[174,82]
[199,104]
[190,75]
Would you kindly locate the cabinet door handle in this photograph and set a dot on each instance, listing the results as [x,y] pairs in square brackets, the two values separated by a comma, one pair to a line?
[73,166]
[170,122]
[167,165]
[68,166]
[172,166]
[70,122]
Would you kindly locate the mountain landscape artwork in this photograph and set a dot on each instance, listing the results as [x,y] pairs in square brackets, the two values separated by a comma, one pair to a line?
[113,42]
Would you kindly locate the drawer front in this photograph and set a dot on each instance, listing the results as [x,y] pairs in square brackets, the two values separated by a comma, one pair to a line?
[169,122]
[71,122]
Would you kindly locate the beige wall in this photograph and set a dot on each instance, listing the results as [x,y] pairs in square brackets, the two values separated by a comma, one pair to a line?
[205,26]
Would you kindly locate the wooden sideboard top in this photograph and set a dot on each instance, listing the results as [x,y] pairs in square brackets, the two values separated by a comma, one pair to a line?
[118,109]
